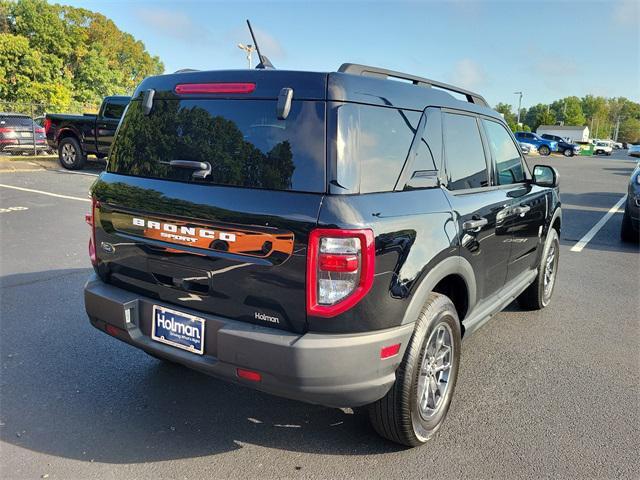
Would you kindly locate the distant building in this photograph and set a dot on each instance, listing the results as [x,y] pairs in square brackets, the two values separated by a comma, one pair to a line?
[568,132]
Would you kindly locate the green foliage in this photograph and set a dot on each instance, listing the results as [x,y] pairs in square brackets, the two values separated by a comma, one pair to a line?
[62,56]
[629,131]
[600,114]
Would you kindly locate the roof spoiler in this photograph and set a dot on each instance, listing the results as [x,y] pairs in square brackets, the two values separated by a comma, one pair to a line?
[366,70]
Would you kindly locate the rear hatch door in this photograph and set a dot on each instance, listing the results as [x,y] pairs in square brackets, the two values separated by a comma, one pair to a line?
[231,242]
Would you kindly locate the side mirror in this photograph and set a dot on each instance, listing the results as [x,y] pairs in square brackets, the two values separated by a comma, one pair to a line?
[546,176]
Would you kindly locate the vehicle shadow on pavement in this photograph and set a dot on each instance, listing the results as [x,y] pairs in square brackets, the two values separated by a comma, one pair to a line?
[69,390]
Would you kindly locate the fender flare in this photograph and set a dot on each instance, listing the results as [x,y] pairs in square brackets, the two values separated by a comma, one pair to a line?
[73,132]
[450,266]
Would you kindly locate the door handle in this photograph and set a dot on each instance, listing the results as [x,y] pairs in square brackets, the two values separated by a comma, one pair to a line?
[521,210]
[202,169]
[474,225]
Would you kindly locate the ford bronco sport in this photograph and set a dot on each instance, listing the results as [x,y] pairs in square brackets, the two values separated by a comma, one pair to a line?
[327,237]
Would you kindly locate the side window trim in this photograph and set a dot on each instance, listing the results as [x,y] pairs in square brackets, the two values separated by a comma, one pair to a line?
[445,159]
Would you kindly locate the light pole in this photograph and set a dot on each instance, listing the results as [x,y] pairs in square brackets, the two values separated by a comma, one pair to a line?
[249,49]
[519,105]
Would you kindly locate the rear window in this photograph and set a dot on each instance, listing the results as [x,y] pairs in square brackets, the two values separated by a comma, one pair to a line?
[15,121]
[243,141]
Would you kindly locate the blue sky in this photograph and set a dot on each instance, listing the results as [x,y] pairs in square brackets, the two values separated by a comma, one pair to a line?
[546,49]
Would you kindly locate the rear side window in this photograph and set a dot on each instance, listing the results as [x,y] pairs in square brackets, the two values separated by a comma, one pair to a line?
[466,163]
[505,153]
[113,110]
[243,141]
[374,141]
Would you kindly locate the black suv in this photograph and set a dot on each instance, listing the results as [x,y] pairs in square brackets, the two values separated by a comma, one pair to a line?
[327,237]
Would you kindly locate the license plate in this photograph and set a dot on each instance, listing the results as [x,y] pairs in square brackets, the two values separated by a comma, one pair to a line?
[178,329]
[26,134]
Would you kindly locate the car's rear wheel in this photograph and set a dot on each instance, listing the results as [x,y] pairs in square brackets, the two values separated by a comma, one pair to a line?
[539,293]
[417,404]
[627,233]
[568,152]
[544,150]
[70,154]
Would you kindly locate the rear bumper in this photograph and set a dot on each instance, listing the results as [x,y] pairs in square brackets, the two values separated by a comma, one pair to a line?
[342,370]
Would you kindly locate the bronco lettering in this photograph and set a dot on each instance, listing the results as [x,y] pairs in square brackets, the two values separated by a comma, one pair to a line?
[182,230]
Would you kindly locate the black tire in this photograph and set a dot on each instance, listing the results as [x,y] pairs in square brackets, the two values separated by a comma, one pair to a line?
[627,232]
[397,416]
[598,152]
[70,154]
[544,150]
[537,295]
[568,152]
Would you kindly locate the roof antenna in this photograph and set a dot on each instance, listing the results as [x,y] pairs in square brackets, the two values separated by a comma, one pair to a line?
[264,61]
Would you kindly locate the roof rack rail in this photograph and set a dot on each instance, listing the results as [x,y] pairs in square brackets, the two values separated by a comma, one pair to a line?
[357,69]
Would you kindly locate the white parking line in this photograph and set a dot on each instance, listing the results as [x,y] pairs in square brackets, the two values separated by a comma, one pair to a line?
[77,173]
[596,228]
[68,197]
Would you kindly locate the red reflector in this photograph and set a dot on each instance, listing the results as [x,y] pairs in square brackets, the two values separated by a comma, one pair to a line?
[187,88]
[248,375]
[338,263]
[88,217]
[390,350]
[111,330]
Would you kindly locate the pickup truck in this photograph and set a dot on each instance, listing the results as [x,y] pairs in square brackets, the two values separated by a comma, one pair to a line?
[76,136]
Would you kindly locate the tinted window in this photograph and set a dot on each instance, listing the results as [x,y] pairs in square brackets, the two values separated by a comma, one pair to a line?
[375,140]
[113,110]
[429,148]
[466,163]
[505,153]
[15,121]
[243,141]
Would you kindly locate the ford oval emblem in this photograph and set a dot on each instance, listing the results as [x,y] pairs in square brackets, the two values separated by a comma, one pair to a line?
[107,247]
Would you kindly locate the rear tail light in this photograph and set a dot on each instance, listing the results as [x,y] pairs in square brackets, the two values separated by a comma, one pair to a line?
[8,132]
[39,130]
[235,87]
[90,218]
[47,124]
[340,268]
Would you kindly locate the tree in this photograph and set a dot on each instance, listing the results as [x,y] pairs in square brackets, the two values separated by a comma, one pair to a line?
[61,55]
[509,116]
[629,131]
[539,114]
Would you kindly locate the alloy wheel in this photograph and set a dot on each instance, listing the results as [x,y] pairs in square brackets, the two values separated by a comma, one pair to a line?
[435,368]
[549,272]
[68,154]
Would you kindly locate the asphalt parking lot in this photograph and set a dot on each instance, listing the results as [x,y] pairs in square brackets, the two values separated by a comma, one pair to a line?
[540,394]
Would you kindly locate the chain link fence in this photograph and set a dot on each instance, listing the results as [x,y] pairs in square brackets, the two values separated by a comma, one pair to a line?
[21,135]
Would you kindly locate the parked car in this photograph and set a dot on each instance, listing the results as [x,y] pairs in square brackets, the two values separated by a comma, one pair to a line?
[381,235]
[76,136]
[602,148]
[618,145]
[17,134]
[544,146]
[528,148]
[567,149]
[630,231]
[634,151]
